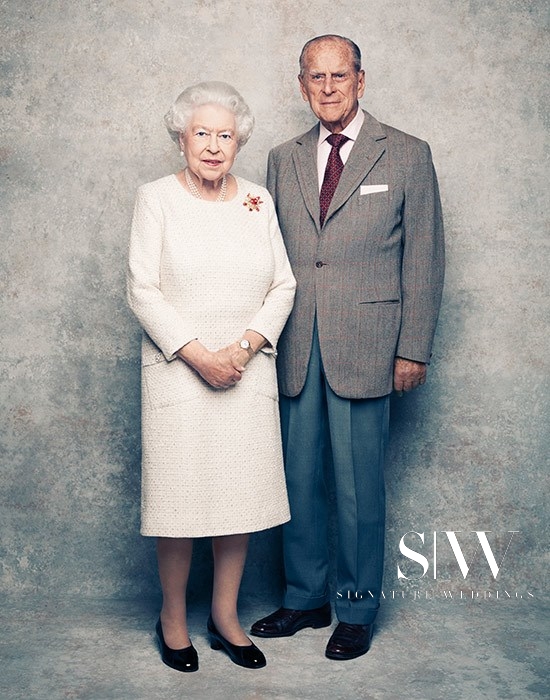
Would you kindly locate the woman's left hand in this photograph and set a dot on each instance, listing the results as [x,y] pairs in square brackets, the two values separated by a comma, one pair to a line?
[238,357]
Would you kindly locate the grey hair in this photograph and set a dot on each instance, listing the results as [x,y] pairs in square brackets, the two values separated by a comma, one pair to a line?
[355,50]
[212,92]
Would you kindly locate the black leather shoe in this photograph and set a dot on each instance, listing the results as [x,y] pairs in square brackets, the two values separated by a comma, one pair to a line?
[249,656]
[185,660]
[285,622]
[349,641]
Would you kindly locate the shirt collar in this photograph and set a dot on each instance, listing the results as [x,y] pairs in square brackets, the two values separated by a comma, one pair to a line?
[351,131]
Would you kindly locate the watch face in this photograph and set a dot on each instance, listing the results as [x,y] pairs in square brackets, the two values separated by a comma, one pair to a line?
[244,344]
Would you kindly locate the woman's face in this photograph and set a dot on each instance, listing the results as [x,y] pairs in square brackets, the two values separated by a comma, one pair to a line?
[210,142]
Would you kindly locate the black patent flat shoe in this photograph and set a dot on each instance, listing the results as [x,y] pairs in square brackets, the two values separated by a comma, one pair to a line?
[249,656]
[186,660]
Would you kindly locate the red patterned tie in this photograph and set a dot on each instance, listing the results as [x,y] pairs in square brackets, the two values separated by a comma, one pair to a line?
[332,173]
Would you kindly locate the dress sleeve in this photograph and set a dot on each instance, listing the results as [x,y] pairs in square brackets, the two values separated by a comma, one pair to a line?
[272,316]
[159,319]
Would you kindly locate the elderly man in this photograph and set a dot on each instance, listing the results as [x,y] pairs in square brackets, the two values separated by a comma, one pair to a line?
[359,208]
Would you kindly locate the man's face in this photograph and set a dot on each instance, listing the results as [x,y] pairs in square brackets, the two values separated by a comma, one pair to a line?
[330,83]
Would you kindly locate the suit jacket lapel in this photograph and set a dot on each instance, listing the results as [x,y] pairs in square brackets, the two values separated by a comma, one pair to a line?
[305,162]
[365,153]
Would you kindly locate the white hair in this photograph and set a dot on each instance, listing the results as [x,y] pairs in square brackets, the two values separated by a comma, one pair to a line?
[213,92]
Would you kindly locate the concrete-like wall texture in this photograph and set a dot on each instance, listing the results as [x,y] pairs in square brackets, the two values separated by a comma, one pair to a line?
[84,88]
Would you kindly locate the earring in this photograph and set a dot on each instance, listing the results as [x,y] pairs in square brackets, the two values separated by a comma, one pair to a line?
[181,153]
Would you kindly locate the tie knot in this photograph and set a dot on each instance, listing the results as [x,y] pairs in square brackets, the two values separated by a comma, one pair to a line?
[337,140]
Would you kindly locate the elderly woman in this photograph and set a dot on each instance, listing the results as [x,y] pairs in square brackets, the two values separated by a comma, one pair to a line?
[210,283]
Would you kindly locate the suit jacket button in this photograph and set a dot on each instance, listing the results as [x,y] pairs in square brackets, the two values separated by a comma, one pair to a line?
[319,263]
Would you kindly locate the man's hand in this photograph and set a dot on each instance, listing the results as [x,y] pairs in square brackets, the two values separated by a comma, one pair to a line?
[408,374]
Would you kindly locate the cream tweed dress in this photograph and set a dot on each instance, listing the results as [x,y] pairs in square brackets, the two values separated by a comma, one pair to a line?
[211,458]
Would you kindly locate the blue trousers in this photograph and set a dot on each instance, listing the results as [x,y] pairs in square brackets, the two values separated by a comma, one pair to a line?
[320,428]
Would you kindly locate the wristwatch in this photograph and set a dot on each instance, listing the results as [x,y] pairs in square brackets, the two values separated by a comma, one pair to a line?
[244,344]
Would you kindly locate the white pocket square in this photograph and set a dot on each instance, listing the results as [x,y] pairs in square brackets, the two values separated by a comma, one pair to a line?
[370,189]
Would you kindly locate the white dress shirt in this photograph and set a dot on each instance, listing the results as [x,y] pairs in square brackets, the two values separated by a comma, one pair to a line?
[324,147]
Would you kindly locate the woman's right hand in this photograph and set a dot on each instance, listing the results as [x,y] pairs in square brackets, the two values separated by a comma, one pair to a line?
[217,368]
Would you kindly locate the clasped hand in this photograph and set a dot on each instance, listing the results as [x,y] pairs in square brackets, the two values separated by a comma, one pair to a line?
[222,368]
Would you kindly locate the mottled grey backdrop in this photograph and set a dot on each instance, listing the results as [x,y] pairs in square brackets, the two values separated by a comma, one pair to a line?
[84,88]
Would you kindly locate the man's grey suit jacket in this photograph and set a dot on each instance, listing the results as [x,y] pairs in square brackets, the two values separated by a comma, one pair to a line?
[373,274]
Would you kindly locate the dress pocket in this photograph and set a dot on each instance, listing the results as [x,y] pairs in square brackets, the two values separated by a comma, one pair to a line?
[265,375]
[169,383]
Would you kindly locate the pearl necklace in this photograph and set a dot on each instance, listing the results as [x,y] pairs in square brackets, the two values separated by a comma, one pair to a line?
[195,191]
